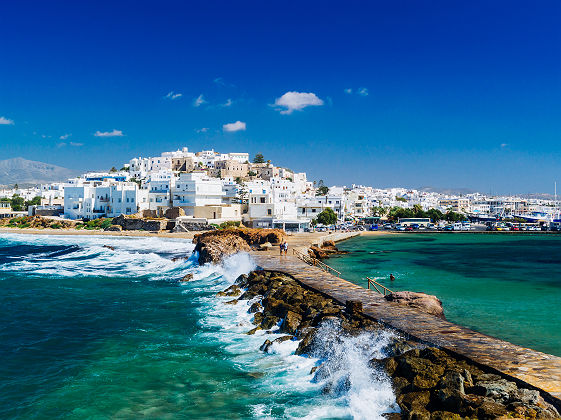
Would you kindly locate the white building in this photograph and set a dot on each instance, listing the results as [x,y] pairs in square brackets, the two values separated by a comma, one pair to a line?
[94,199]
[196,189]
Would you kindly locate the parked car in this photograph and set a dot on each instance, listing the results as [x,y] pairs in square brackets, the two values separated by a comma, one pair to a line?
[409,228]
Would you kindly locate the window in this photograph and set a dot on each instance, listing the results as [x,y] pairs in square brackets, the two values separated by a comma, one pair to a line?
[269,212]
[262,199]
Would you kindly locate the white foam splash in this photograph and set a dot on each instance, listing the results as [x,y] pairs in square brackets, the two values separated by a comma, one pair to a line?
[355,389]
[102,256]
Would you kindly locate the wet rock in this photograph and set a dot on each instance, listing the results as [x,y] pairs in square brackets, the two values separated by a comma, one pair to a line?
[306,344]
[283,339]
[451,392]
[255,307]
[269,322]
[445,415]
[242,280]
[353,307]
[265,346]
[421,301]
[414,402]
[490,410]
[113,228]
[499,390]
[231,302]
[291,323]
[422,373]
[392,416]
[253,331]
[233,290]
[187,277]
[257,318]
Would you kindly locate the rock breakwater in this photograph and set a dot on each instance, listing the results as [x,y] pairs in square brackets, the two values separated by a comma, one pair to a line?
[429,383]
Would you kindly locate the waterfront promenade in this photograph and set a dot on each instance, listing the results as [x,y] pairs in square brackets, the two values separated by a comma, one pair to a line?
[535,369]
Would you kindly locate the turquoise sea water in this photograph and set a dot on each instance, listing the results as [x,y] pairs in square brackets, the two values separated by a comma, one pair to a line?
[504,285]
[91,332]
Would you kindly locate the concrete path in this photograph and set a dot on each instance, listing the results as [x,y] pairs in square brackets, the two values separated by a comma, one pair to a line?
[539,370]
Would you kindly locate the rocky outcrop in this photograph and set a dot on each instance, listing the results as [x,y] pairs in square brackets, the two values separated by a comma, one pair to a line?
[212,248]
[421,301]
[326,249]
[431,383]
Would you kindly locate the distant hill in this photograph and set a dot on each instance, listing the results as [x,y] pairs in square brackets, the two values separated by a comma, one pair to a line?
[448,191]
[24,172]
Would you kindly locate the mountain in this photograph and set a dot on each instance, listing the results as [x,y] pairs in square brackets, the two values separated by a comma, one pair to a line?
[24,172]
[448,191]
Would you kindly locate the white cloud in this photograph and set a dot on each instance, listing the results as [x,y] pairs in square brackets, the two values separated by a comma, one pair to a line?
[348,91]
[296,101]
[362,91]
[202,130]
[65,136]
[114,133]
[75,144]
[228,103]
[200,100]
[236,126]
[6,121]
[503,145]
[220,81]
[173,95]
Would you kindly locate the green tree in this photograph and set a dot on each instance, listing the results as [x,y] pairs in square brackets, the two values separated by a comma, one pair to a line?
[113,169]
[379,211]
[18,203]
[251,173]
[322,190]
[327,217]
[34,202]
[435,215]
[402,199]
[452,216]
[258,158]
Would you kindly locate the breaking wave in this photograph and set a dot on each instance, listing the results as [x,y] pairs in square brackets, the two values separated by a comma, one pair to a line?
[344,385]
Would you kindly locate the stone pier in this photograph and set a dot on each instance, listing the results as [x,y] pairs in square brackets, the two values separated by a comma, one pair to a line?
[525,366]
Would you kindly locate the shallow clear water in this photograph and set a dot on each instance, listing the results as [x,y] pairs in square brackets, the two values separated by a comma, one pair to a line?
[507,286]
[93,332]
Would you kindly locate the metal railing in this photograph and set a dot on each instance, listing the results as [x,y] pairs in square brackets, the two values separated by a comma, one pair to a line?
[315,262]
[385,291]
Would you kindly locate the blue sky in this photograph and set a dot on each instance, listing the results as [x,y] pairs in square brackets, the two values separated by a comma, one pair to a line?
[400,93]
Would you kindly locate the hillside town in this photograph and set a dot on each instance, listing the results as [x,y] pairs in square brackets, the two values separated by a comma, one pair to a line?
[214,188]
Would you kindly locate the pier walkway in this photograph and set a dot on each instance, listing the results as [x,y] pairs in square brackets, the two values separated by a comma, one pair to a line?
[539,370]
